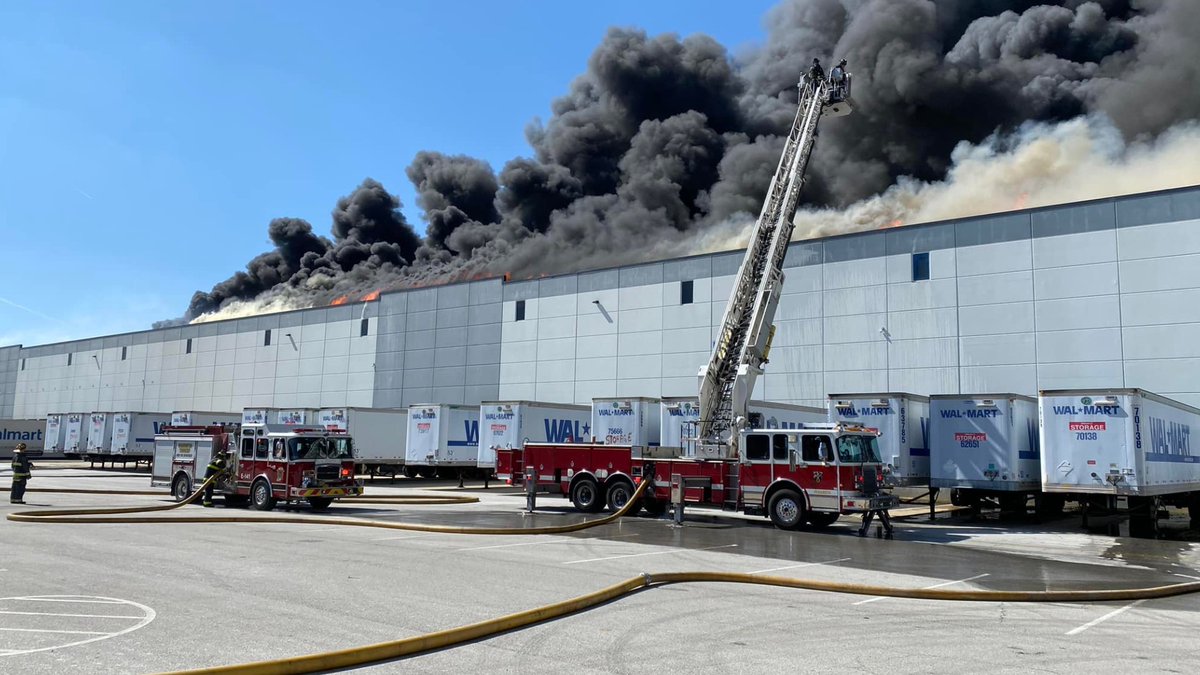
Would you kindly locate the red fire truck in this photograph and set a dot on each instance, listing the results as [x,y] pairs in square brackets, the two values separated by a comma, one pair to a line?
[812,474]
[269,463]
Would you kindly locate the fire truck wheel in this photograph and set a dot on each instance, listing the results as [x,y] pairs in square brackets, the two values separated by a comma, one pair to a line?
[181,489]
[586,496]
[787,510]
[261,498]
[618,495]
[319,503]
[822,519]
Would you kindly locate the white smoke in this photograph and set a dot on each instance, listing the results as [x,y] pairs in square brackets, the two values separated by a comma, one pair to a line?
[1038,165]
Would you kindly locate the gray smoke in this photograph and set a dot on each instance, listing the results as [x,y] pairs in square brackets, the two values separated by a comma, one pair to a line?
[663,142]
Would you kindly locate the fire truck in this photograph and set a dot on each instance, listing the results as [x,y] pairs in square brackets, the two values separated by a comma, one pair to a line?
[811,474]
[808,475]
[269,463]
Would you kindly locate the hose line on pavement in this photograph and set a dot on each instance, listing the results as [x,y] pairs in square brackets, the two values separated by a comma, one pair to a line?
[396,649]
[443,639]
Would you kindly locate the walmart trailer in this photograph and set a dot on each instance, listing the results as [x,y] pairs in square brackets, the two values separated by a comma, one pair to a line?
[985,446]
[55,427]
[626,421]
[196,418]
[133,434]
[377,434]
[442,437]
[902,420]
[678,417]
[99,435]
[74,434]
[512,424]
[1126,451]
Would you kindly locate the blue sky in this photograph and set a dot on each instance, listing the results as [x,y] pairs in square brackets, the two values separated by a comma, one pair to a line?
[144,146]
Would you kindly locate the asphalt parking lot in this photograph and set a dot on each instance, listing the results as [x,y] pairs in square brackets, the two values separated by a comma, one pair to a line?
[135,598]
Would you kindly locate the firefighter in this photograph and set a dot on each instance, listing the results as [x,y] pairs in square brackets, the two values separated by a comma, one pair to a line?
[21,468]
[816,74]
[216,467]
[837,78]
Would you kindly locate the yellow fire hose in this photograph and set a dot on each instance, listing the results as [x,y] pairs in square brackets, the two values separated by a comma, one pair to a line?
[395,649]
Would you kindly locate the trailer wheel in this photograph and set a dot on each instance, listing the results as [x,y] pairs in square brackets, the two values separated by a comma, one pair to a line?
[822,518]
[787,510]
[181,489]
[261,498]
[586,496]
[618,495]
[320,503]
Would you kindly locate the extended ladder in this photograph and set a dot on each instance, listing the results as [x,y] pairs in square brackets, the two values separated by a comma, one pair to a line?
[742,346]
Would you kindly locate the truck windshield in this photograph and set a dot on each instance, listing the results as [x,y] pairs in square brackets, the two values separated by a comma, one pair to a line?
[858,449]
[319,448]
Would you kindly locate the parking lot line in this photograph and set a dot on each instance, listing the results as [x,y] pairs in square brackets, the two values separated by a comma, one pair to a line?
[946,583]
[1106,617]
[541,543]
[639,555]
[89,602]
[807,564]
[1185,576]
[64,632]
[81,616]
[407,536]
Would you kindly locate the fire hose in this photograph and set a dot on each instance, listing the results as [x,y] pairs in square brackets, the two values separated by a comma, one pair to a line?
[396,649]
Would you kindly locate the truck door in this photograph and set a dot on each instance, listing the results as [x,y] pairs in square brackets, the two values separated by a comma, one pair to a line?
[757,470]
[164,455]
[245,464]
[817,472]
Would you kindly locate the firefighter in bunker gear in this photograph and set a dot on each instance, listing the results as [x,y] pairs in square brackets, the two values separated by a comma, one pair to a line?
[816,74]
[21,468]
[217,466]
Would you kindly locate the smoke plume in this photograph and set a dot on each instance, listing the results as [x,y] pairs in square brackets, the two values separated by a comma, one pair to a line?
[665,146]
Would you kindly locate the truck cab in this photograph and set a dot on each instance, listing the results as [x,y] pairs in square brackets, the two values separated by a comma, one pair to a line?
[812,474]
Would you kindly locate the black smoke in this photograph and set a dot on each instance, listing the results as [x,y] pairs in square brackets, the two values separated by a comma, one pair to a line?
[662,139]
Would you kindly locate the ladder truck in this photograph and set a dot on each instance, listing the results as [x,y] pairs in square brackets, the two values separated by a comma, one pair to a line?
[811,474]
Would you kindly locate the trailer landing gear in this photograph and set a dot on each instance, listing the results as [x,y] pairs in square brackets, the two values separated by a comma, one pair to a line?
[884,531]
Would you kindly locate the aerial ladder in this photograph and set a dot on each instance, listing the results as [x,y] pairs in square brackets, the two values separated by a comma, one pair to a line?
[742,347]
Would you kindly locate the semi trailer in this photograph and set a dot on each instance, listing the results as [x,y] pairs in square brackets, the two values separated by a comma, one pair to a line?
[679,417]
[512,424]
[626,420]
[378,433]
[902,420]
[442,438]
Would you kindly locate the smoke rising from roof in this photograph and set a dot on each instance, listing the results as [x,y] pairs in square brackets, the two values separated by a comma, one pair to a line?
[665,146]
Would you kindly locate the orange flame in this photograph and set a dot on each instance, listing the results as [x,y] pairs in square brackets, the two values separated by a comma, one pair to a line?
[341,300]
[372,296]
[895,223]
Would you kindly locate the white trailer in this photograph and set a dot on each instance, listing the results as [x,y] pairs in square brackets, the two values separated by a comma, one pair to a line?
[30,432]
[627,420]
[292,417]
[985,447]
[99,435]
[74,434]
[441,437]
[1123,449]
[196,418]
[679,415]
[55,427]
[378,435]
[902,420]
[133,434]
[512,424]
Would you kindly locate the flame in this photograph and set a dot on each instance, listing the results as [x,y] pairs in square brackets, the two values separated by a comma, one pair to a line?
[895,223]
[340,300]
[1021,201]
[372,296]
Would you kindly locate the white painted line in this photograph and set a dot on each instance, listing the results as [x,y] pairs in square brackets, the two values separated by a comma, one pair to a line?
[1185,576]
[1106,617]
[542,543]
[639,555]
[792,567]
[64,632]
[407,536]
[92,602]
[947,583]
[81,616]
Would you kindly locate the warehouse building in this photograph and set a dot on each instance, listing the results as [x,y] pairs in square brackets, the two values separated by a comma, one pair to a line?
[1104,293]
